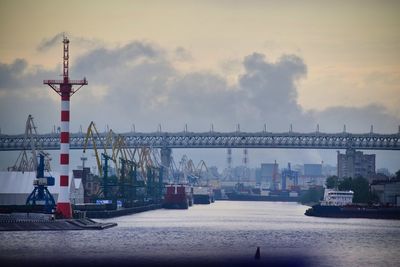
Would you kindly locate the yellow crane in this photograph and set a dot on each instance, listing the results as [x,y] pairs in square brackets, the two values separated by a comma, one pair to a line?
[93,135]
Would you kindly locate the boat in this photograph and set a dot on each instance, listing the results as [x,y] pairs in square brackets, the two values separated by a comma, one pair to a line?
[283,196]
[203,195]
[339,204]
[178,196]
[261,193]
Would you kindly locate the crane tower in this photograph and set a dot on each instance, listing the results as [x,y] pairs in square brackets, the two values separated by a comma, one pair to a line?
[65,89]
[229,158]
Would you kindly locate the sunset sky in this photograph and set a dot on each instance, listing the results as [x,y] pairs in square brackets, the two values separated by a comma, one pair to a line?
[203,62]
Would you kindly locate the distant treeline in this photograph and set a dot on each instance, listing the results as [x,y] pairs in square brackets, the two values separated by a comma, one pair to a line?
[312,196]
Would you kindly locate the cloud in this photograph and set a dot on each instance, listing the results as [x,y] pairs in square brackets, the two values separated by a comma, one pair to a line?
[54,41]
[201,99]
[182,54]
[10,74]
[139,84]
[48,43]
[104,63]
[270,89]
[357,119]
[19,76]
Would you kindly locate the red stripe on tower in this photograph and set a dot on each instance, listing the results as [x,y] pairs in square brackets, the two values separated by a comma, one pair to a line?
[64,115]
[64,180]
[64,137]
[64,159]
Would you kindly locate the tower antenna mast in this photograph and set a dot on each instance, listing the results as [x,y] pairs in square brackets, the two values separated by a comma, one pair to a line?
[65,89]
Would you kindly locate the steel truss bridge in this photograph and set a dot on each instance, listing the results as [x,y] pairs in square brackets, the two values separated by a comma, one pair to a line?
[315,140]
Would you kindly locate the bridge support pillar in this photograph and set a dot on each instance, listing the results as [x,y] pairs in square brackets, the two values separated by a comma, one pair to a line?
[166,153]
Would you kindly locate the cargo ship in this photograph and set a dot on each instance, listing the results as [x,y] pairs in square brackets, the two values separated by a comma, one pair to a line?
[283,196]
[178,196]
[339,204]
[203,195]
[262,194]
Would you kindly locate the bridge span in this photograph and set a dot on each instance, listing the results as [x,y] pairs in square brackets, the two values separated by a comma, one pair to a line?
[314,140]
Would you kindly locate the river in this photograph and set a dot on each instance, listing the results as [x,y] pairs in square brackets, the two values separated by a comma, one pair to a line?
[225,233]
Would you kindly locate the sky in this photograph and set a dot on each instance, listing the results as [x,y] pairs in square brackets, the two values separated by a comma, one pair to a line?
[304,63]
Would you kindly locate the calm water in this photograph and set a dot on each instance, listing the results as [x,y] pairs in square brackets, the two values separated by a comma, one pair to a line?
[223,233]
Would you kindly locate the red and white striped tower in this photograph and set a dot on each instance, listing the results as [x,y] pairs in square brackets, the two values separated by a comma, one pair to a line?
[65,90]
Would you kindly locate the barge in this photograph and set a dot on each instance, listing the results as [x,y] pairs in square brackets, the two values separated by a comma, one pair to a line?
[281,196]
[354,211]
[339,204]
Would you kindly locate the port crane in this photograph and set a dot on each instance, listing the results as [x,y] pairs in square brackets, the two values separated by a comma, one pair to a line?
[27,162]
[202,169]
[135,169]
[292,175]
[186,171]
[102,161]
[92,134]
[40,193]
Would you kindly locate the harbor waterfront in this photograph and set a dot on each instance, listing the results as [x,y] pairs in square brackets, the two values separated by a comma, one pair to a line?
[226,233]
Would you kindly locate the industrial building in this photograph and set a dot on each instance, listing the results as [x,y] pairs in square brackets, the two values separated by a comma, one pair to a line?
[354,164]
[312,175]
[290,179]
[269,172]
[388,192]
[90,182]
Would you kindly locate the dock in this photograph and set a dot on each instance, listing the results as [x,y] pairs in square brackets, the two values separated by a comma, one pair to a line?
[103,214]
[44,222]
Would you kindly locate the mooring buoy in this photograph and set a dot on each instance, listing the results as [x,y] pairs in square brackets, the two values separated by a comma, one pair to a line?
[258,254]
